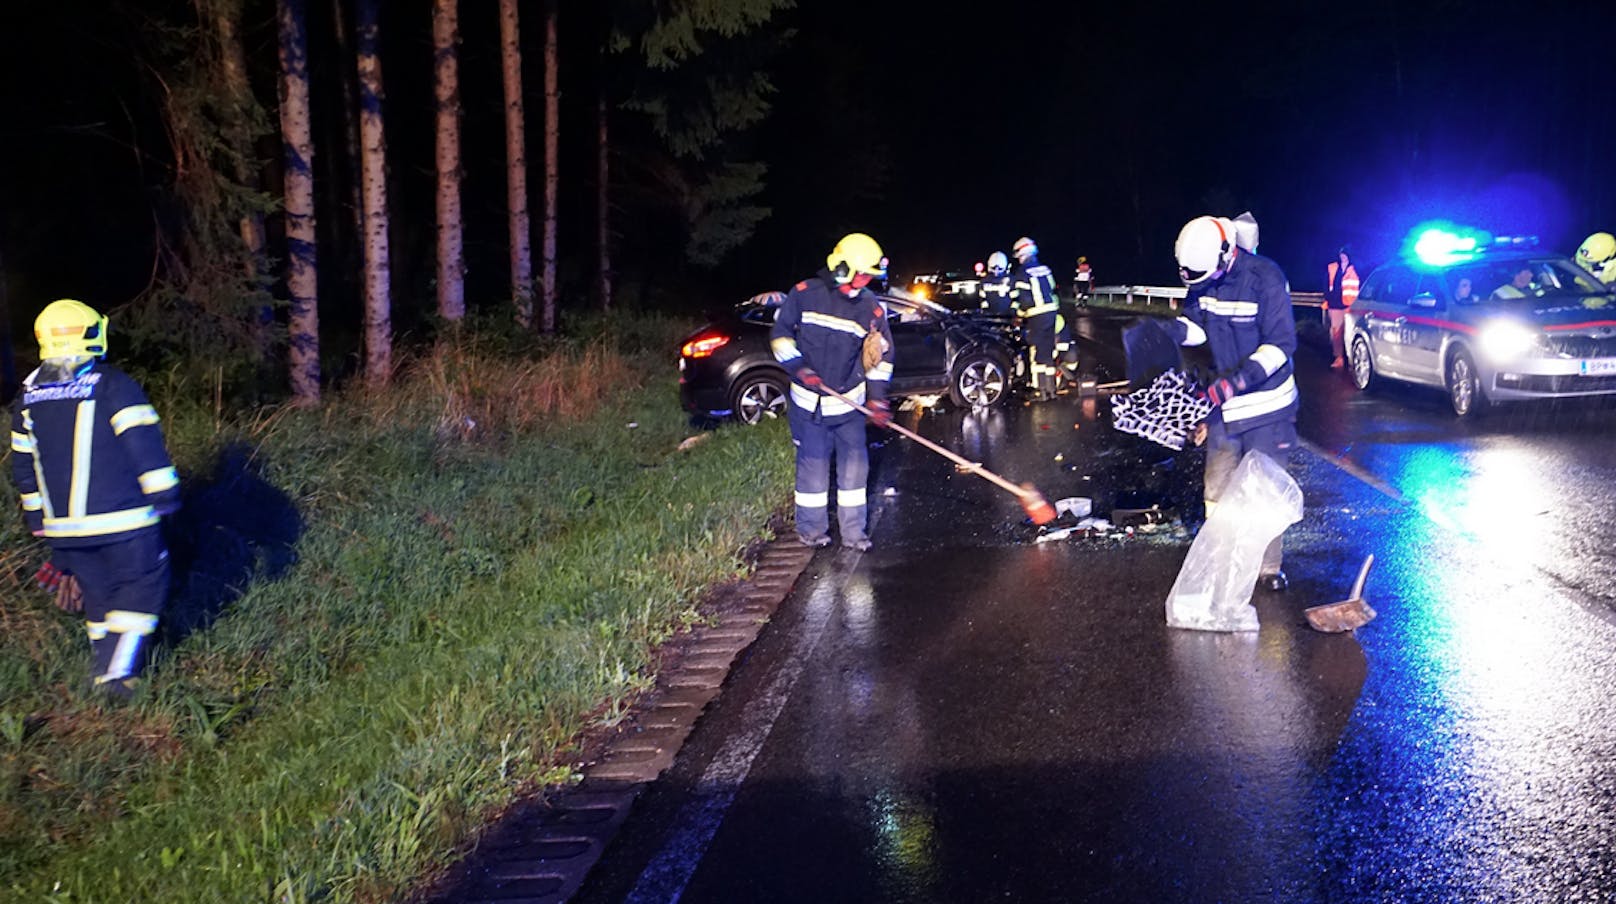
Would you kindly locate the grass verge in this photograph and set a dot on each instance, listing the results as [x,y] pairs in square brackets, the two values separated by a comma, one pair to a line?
[423,598]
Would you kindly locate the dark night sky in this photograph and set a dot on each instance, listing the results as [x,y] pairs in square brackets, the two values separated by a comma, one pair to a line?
[1100,129]
[949,130]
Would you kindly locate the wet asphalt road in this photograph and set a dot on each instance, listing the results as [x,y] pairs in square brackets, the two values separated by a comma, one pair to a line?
[962,715]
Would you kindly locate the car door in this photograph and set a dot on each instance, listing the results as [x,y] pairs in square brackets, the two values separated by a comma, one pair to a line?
[920,347]
[1384,314]
[1424,328]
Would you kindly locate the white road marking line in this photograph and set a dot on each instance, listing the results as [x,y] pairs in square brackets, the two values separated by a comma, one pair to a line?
[664,879]
[1356,470]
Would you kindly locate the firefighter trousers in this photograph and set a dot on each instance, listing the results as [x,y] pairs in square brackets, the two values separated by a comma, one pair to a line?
[818,439]
[125,585]
[1040,336]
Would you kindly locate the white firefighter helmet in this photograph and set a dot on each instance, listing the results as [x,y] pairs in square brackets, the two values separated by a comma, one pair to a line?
[998,264]
[1205,248]
[1025,249]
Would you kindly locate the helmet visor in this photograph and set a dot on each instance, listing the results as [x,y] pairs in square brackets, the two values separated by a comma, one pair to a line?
[1191,277]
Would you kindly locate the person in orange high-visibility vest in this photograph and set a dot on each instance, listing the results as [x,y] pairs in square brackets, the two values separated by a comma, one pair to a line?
[1340,291]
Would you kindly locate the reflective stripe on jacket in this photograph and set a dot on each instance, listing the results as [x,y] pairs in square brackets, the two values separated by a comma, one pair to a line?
[1246,320]
[1342,295]
[1035,291]
[821,327]
[998,295]
[88,458]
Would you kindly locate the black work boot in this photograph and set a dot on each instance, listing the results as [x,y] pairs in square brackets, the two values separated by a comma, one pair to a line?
[1275,582]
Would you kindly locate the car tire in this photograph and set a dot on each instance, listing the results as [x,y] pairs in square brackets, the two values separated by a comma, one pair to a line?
[1464,385]
[1363,365]
[758,396]
[979,381]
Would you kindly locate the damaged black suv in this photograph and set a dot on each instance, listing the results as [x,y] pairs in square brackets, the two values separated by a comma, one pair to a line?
[726,368]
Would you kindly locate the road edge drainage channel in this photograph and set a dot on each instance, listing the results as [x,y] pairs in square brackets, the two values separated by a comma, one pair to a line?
[541,850]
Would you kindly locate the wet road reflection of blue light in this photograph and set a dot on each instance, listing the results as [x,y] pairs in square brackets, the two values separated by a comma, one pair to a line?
[1470,748]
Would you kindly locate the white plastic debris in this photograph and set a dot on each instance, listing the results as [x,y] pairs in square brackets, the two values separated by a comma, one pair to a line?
[890,491]
[1057,534]
[1076,506]
[1213,590]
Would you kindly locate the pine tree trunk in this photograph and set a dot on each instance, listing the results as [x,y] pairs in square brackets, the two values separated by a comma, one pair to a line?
[350,130]
[233,66]
[378,299]
[302,283]
[603,210]
[552,161]
[451,237]
[516,165]
[238,115]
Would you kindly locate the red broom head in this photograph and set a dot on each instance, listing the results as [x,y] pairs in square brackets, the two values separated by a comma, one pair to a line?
[1036,506]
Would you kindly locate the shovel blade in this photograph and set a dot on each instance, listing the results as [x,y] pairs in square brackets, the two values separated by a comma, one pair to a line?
[1336,618]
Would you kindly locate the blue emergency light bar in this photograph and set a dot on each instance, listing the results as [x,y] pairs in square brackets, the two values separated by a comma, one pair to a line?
[1440,243]
[1439,247]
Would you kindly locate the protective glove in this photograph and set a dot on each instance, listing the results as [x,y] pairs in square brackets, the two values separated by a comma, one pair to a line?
[808,377]
[48,576]
[880,412]
[1224,389]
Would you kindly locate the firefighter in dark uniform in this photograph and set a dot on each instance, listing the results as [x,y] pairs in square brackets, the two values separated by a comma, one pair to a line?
[998,293]
[1038,306]
[831,334]
[1239,305]
[96,480]
[1065,352]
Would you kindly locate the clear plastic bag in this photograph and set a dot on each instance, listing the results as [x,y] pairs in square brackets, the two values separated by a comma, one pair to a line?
[1213,590]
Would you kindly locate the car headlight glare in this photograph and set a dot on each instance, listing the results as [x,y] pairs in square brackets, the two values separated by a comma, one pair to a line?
[1506,340]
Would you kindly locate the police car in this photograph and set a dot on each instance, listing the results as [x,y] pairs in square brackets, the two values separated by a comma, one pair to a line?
[1486,321]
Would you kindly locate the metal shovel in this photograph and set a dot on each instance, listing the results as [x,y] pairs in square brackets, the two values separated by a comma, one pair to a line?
[1347,615]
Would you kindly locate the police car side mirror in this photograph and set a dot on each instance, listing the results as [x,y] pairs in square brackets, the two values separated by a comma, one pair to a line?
[1423,300]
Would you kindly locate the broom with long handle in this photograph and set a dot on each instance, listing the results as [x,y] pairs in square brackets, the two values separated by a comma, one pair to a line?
[1032,501]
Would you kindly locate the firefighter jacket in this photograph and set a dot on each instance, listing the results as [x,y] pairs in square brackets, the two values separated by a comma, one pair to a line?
[821,327]
[1245,319]
[1340,293]
[998,295]
[88,458]
[1035,291]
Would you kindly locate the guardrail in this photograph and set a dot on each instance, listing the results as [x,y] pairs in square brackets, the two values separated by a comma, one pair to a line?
[1145,299]
[1168,299]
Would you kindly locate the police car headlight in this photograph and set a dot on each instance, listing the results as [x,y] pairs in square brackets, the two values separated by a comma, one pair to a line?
[1505,340]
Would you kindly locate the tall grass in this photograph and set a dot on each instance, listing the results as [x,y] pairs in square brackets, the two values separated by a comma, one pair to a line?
[489,553]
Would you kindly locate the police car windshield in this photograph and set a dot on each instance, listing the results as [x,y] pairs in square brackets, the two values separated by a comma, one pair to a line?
[1522,278]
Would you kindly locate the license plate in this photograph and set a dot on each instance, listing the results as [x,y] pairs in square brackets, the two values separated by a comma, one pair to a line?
[1598,367]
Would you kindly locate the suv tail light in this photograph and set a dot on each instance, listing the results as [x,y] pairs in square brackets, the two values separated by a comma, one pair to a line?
[704,344]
